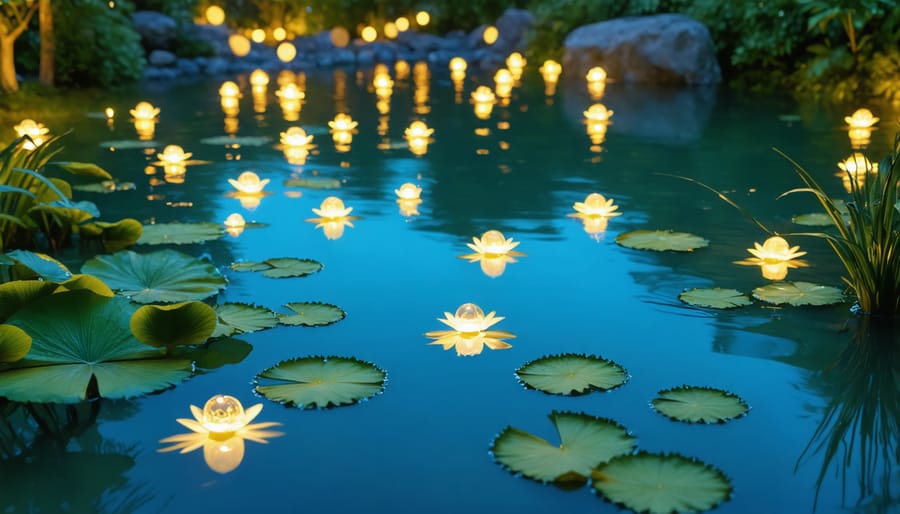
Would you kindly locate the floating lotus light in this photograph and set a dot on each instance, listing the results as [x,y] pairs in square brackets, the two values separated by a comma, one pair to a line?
[249,183]
[144,111]
[457,64]
[234,224]
[383,84]
[861,119]
[333,217]
[596,82]
[35,131]
[774,257]
[503,82]
[550,71]
[597,205]
[596,130]
[110,114]
[596,74]
[598,113]
[418,135]
[332,208]
[493,251]
[229,89]
[220,429]
[515,62]
[259,80]
[483,99]
[173,154]
[290,98]
[408,191]
[296,136]
[470,332]
[342,123]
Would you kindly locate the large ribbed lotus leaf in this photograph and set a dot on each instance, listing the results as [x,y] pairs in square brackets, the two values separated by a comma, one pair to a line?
[180,233]
[715,298]
[572,374]
[308,382]
[585,442]
[241,318]
[14,343]
[173,325]
[661,240]
[799,293]
[80,339]
[661,484]
[312,314]
[699,404]
[41,265]
[19,293]
[165,276]
[113,236]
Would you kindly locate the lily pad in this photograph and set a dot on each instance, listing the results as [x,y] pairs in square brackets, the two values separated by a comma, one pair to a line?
[313,182]
[799,293]
[585,442]
[42,265]
[215,353]
[180,233]
[308,382]
[716,298]
[82,347]
[113,236]
[312,314]
[105,187]
[14,343]
[813,219]
[233,140]
[661,484]
[241,318]
[572,374]
[661,240]
[128,144]
[281,267]
[165,276]
[173,325]
[699,404]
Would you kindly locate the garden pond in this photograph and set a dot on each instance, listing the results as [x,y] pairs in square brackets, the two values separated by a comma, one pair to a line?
[811,441]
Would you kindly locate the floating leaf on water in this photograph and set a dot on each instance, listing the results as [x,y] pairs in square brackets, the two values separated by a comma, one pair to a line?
[308,382]
[241,318]
[165,276]
[572,374]
[79,339]
[716,298]
[113,236]
[173,325]
[241,141]
[128,144]
[695,404]
[813,219]
[280,267]
[106,186]
[799,293]
[661,240]
[312,314]
[42,265]
[14,343]
[216,353]
[180,233]
[84,169]
[585,442]
[661,484]
[313,182]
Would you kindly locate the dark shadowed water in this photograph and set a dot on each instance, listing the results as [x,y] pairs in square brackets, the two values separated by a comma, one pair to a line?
[422,445]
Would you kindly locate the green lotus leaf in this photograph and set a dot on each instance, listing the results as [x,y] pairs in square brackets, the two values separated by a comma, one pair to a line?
[19,293]
[314,182]
[312,314]
[114,236]
[661,484]
[308,382]
[716,298]
[42,265]
[699,404]
[799,293]
[84,169]
[105,187]
[165,276]
[585,442]
[661,240]
[235,140]
[281,267]
[82,347]
[813,219]
[91,283]
[572,374]
[216,353]
[128,144]
[173,325]
[241,318]
[14,343]
[180,233]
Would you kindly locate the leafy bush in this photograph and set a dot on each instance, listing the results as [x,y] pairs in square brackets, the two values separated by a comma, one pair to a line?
[96,45]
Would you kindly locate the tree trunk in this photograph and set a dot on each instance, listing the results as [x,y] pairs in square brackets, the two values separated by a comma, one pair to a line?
[8,81]
[48,43]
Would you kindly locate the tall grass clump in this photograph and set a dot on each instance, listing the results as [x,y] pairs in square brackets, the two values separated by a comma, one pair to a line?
[867,238]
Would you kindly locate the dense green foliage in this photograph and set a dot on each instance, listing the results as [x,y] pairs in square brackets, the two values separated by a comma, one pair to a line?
[96,45]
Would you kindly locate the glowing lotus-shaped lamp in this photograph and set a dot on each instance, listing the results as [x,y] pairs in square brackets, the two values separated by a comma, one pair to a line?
[596,130]
[774,257]
[220,428]
[342,123]
[483,100]
[550,71]
[229,89]
[596,74]
[503,83]
[332,208]
[861,118]
[173,154]
[296,136]
[144,111]
[234,224]
[597,205]
[110,114]
[493,251]
[458,65]
[470,331]
[290,91]
[515,63]
[249,183]
[383,84]
[408,191]
[418,129]
[598,113]
[37,132]
[259,80]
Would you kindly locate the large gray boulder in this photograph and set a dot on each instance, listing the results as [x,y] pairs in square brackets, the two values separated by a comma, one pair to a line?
[659,49]
[157,30]
[513,26]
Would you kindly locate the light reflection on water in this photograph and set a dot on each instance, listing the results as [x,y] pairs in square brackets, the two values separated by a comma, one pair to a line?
[422,445]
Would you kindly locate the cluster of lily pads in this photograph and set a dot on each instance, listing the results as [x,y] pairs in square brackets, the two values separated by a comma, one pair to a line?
[602,451]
